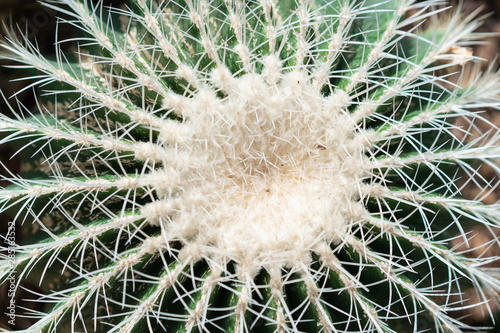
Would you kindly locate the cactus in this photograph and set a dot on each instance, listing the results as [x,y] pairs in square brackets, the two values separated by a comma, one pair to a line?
[253,166]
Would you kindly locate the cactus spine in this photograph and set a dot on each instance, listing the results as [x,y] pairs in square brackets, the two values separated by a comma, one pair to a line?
[252,166]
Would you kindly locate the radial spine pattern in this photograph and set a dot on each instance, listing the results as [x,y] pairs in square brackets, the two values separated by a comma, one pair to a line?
[253,166]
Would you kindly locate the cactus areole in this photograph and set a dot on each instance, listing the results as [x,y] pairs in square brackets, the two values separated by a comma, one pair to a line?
[252,166]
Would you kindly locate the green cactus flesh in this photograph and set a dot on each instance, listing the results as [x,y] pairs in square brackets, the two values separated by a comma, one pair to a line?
[252,166]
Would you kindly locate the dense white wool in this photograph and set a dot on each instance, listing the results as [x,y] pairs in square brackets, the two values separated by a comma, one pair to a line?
[278,167]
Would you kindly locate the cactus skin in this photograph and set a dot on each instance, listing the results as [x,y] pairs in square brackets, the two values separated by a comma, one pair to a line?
[257,166]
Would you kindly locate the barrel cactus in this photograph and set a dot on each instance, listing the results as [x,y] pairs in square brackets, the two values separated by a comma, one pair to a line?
[253,166]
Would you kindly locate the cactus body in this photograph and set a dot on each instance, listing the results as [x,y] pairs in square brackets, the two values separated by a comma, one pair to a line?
[252,166]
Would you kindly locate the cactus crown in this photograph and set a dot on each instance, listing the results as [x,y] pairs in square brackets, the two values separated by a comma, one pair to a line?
[259,166]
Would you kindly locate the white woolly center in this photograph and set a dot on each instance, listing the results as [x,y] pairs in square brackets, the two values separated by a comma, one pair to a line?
[271,168]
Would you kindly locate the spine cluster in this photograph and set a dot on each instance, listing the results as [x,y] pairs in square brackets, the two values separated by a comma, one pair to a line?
[253,166]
